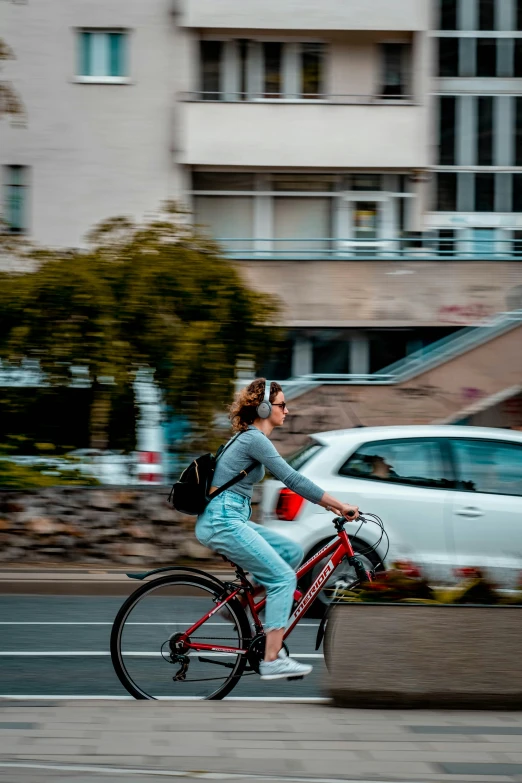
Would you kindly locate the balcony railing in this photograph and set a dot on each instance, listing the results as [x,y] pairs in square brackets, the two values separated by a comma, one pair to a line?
[407,248]
[224,96]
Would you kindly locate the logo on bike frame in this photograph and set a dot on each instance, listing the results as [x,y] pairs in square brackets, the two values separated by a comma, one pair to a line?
[319,582]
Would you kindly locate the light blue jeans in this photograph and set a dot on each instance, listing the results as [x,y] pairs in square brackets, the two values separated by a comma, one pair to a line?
[225,527]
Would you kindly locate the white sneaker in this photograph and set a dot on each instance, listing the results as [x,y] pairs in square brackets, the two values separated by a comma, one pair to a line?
[283,667]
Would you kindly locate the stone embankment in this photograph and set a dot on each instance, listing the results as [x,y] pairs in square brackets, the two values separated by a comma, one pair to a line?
[100,526]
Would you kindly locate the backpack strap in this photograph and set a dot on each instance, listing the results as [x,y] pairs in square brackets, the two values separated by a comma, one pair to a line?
[232,481]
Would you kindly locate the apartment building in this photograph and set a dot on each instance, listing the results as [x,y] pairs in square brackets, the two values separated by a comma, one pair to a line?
[314,141]
[477,204]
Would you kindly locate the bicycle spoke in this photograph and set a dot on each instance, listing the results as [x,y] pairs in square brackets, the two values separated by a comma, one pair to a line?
[171,606]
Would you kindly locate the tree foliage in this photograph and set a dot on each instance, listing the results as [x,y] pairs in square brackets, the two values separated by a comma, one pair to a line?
[10,102]
[155,295]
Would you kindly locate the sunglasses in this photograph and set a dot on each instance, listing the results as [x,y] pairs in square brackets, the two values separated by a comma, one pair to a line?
[281,405]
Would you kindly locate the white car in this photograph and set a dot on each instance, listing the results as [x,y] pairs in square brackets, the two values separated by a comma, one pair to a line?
[449,497]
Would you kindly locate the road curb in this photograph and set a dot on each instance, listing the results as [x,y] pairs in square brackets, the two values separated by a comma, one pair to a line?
[76,582]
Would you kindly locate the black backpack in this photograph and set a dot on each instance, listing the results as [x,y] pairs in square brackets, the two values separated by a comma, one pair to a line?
[190,494]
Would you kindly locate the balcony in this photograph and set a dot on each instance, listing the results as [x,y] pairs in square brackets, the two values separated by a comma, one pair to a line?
[384,15]
[407,248]
[358,131]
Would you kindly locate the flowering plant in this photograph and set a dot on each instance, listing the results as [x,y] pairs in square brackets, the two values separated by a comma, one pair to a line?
[405,583]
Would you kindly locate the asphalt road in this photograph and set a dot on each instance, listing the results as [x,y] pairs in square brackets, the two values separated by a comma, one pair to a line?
[58,646]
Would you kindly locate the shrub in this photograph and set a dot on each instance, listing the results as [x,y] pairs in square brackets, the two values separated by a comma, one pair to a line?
[13,476]
[404,583]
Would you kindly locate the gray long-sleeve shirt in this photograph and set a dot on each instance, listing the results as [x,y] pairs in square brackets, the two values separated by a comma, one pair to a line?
[253,446]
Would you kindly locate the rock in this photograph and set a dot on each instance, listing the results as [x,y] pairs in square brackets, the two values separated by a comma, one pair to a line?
[43,526]
[140,531]
[138,550]
[102,499]
[11,554]
[190,547]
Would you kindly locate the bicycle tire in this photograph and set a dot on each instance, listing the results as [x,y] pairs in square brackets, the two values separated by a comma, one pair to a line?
[214,591]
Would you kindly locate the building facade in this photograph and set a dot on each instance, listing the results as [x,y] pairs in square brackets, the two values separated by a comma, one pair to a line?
[357,158]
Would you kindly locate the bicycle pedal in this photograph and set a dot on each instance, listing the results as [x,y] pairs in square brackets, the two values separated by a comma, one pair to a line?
[299,677]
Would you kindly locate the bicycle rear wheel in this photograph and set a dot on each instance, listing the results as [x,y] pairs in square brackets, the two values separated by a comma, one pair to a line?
[156,612]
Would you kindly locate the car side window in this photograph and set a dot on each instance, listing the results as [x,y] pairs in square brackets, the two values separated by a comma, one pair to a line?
[488,466]
[416,462]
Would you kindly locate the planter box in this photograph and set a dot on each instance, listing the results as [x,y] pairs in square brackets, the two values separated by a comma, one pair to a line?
[400,655]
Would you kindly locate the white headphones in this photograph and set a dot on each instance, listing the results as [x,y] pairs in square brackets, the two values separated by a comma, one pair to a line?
[264,409]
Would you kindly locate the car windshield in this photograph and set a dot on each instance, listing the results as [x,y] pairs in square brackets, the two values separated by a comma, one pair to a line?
[304,454]
[300,457]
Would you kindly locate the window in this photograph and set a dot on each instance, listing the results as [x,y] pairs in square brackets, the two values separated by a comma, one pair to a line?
[485,131]
[446,243]
[241,69]
[488,466]
[447,130]
[446,192]
[312,55]
[304,455]
[518,132]
[412,462]
[211,54]
[395,58]
[483,242]
[365,221]
[15,199]
[448,15]
[331,351]
[448,57]
[221,180]
[273,57]
[517,57]
[103,55]
[486,14]
[365,182]
[486,57]
[304,182]
[516,247]
[304,221]
[484,192]
[227,218]
[517,193]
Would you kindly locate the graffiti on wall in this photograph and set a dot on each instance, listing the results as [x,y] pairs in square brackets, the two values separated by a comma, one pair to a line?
[465,314]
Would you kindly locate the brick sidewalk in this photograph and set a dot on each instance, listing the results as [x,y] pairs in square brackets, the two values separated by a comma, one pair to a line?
[98,742]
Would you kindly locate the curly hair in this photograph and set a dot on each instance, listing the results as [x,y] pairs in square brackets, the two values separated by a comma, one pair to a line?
[243,410]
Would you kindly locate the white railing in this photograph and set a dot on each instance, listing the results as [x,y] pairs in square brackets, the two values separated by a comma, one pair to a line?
[415,248]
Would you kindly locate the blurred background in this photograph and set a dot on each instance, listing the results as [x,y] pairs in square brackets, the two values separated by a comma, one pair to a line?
[197,193]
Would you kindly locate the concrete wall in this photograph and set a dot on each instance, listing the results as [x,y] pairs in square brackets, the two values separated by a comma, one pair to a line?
[308,14]
[95,150]
[400,665]
[304,134]
[388,293]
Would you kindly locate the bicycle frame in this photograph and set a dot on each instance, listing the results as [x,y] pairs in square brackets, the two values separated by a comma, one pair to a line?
[339,548]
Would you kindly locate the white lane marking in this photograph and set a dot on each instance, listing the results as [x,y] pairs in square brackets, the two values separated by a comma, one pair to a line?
[81,622]
[129,654]
[175,773]
[40,697]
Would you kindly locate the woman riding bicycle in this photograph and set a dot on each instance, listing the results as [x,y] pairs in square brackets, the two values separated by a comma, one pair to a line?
[225,525]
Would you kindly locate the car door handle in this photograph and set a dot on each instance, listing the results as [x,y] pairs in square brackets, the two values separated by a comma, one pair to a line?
[470,511]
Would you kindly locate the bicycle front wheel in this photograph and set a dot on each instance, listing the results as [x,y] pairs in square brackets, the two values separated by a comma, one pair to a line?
[152,616]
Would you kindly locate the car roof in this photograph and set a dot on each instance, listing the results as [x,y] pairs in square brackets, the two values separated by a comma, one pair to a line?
[332,437]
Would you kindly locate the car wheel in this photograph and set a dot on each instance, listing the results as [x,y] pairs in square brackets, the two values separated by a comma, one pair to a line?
[344,575]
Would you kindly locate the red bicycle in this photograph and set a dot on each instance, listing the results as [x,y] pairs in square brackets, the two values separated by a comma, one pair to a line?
[158,625]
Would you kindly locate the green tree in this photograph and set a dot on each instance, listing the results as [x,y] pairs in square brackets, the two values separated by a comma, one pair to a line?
[158,295]
[10,102]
